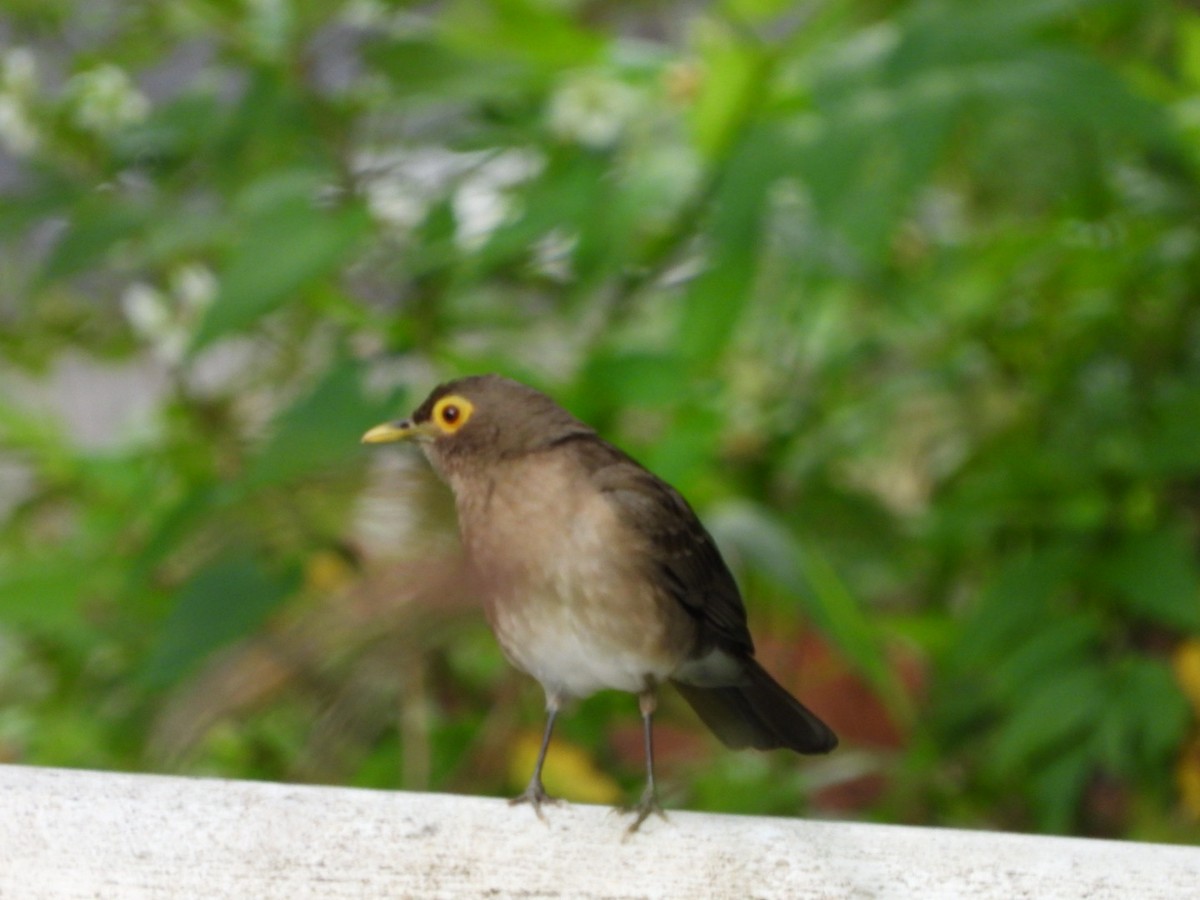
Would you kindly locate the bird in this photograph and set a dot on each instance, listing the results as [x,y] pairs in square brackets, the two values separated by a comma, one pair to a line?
[594,573]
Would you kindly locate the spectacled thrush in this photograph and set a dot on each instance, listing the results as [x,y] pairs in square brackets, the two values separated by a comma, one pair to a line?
[594,573]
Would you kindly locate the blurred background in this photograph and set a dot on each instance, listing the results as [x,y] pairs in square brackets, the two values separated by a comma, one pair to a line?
[904,296]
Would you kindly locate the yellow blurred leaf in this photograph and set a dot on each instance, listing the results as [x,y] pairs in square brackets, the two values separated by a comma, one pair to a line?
[570,771]
[326,571]
[1187,775]
[1186,663]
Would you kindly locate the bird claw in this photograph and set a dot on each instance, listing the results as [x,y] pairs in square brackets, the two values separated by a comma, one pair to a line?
[535,795]
[648,805]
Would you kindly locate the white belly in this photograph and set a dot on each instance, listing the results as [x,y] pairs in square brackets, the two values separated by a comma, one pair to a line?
[570,648]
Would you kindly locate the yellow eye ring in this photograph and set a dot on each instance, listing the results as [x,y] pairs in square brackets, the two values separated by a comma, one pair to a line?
[451,413]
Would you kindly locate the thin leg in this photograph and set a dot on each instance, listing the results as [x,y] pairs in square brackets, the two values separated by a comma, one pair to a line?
[535,794]
[647,703]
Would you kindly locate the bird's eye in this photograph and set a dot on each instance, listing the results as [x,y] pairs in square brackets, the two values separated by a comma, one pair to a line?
[451,413]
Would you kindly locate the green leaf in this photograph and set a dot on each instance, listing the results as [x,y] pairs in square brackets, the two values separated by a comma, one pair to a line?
[41,195]
[947,32]
[1014,603]
[861,186]
[1069,88]
[422,67]
[1153,714]
[715,300]
[543,35]
[886,108]
[96,225]
[1155,576]
[1173,447]
[840,615]
[289,243]
[753,10]
[732,72]
[751,533]
[1187,43]
[170,528]
[44,591]
[1057,787]
[1064,708]
[993,50]
[320,429]
[222,603]
[714,304]
[638,379]
[683,452]
[1048,650]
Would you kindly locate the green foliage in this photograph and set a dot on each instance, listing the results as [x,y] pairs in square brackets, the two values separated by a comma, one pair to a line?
[901,296]
[286,245]
[229,599]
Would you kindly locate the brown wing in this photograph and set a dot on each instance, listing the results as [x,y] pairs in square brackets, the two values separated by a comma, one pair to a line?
[756,711]
[684,556]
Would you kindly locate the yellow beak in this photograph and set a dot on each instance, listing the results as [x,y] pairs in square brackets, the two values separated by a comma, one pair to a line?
[405,430]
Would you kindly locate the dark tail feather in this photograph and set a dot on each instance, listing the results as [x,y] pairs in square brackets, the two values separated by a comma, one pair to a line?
[759,713]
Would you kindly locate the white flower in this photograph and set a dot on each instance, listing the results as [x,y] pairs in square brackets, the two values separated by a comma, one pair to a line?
[18,85]
[592,109]
[552,255]
[400,186]
[481,202]
[17,132]
[366,14]
[18,72]
[394,203]
[104,100]
[145,309]
[269,24]
[195,286]
[166,320]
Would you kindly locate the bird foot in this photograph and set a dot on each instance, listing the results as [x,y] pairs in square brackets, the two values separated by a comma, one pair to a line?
[646,806]
[535,795]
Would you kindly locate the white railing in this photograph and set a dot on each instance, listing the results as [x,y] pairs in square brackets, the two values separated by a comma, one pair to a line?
[67,833]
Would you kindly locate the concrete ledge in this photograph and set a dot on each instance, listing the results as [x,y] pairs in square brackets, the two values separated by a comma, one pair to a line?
[70,833]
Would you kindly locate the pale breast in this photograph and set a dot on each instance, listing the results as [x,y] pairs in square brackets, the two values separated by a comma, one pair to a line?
[565,585]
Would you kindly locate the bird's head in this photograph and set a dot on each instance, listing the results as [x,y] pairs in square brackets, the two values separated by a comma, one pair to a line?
[480,420]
